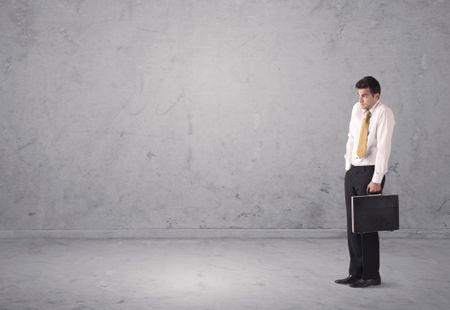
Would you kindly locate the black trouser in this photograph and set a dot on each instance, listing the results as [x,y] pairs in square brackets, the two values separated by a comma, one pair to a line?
[364,248]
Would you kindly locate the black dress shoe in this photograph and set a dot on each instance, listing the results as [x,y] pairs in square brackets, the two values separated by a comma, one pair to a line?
[349,280]
[366,283]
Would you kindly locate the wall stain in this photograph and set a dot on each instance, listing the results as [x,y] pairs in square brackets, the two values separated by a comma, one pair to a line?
[78,4]
[189,132]
[21,147]
[189,159]
[325,188]
[8,63]
[22,17]
[150,155]
[393,168]
[172,105]
[243,214]
[442,204]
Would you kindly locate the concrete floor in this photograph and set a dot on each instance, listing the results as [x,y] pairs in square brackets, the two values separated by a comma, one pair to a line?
[227,274]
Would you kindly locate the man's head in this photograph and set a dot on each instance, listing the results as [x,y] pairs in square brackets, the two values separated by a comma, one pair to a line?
[369,91]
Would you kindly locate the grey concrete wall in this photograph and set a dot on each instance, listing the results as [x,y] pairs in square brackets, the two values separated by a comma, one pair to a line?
[214,114]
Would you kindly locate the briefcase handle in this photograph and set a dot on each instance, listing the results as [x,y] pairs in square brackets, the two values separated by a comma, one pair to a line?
[373,194]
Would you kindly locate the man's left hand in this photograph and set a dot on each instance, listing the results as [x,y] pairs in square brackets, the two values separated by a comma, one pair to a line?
[374,187]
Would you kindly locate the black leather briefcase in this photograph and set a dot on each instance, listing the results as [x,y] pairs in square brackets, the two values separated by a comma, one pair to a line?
[375,213]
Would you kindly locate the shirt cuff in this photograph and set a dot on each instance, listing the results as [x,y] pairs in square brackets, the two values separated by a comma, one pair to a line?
[377,177]
[347,165]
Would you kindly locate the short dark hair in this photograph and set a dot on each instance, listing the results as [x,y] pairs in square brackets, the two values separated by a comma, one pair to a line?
[371,83]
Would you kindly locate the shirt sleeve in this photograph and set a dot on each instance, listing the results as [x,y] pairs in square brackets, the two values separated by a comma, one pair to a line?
[385,129]
[349,145]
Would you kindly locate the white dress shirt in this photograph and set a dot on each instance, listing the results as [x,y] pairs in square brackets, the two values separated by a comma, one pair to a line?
[381,127]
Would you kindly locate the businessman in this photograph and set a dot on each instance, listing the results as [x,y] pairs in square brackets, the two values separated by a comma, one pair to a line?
[366,163]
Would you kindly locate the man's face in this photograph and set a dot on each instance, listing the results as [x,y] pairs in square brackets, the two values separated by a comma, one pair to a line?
[366,99]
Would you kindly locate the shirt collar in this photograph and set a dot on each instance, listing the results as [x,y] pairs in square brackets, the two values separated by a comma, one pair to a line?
[372,108]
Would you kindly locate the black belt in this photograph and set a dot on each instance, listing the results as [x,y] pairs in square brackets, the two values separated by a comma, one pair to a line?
[363,168]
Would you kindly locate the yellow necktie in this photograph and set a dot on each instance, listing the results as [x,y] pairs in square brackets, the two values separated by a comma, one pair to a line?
[361,152]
